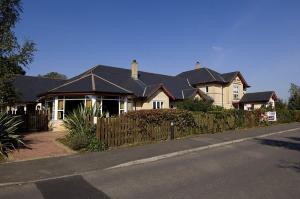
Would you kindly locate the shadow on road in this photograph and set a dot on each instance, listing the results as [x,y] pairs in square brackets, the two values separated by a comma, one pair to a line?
[75,187]
[280,143]
[294,138]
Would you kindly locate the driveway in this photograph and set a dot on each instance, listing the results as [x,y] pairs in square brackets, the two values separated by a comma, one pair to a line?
[40,145]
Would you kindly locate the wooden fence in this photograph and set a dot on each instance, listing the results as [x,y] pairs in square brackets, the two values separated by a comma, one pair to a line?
[37,121]
[122,131]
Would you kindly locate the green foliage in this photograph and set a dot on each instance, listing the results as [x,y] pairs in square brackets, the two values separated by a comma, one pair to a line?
[297,116]
[82,130]
[197,105]
[77,141]
[181,118]
[54,75]
[9,140]
[294,100]
[96,145]
[13,56]
[80,120]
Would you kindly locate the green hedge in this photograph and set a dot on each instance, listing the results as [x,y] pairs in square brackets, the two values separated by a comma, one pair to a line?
[188,122]
[181,118]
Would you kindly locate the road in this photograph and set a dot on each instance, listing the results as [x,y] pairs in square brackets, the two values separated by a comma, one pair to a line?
[261,168]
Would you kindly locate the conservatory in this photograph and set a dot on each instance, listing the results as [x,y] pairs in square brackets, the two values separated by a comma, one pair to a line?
[108,105]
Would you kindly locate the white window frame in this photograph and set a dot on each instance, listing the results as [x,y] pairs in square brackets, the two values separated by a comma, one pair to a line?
[157,104]
[235,91]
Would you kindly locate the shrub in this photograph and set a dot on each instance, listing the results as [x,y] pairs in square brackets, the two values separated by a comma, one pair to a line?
[80,120]
[197,105]
[82,130]
[181,118]
[297,116]
[9,140]
[77,141]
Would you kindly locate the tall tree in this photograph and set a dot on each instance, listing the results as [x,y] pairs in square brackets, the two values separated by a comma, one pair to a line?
[294,100]
[54,75]
[14,57]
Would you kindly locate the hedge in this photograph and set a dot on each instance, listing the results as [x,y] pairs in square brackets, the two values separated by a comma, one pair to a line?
[181,118]
[187,122]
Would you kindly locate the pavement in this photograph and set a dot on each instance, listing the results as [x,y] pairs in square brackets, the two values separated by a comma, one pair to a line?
[264,167]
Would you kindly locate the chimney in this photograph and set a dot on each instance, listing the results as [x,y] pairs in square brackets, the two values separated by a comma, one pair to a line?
[134,69]
[197,65]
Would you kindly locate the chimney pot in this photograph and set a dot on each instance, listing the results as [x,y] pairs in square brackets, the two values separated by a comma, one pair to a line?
[197,65]
[134,69]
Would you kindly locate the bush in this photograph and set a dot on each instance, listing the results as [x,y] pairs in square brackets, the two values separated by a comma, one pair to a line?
[9,140]
[82,130]
[297,116]
[77,141]
[181,118]
[198,105]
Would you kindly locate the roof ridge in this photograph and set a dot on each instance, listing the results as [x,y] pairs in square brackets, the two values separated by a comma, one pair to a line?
[210,73]
[40,77]
[130,69]
[112,83]
[93,82]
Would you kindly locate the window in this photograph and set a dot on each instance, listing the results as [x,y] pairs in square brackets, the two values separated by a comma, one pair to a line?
[206,89]
[235,92]
[158,104]
[122,106]
[60,109]
[88,103]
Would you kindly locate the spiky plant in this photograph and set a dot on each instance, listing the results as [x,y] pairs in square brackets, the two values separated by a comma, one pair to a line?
[9,140]
[81,120]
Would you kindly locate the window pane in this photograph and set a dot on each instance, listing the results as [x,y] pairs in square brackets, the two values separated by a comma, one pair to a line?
[154,105]
[88,104]
[60,115]
[122,104]
[162,105]
[158,105]
[60,104]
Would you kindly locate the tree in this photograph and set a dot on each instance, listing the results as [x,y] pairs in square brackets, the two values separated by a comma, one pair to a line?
[14,57]
[54,75]
[294,100]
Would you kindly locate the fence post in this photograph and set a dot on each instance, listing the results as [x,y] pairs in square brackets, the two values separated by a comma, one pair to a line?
[172,131]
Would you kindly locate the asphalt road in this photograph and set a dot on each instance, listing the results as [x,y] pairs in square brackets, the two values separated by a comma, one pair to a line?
[263,168]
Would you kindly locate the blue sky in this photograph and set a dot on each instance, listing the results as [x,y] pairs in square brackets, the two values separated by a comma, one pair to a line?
[259,38]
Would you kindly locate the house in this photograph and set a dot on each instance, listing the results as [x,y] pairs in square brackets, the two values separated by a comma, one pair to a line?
[226,89]
[118,90]
[27,89]
[252,101]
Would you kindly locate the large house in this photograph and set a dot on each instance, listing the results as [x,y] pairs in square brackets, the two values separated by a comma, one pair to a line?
[118,90]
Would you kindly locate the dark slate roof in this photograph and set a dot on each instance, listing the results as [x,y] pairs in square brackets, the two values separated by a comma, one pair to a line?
[258,97]
[206,75]
[151,89]
[190,93]
[229,77]
[89,83]
[28,87]
[121,79]
[202,75]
